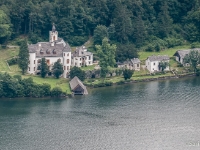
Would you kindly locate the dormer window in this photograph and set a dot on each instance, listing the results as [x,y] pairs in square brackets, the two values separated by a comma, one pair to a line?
[54,51]
[48,51]
[41,51]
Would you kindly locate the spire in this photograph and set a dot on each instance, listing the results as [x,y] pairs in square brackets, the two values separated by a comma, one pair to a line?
[53,28]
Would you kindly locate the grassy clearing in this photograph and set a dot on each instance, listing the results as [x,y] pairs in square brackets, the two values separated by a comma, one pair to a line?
[88,68]
[170,52]
[62,83]
[6,54]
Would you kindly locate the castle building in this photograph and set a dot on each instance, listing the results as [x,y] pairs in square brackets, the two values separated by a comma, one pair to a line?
[54,50]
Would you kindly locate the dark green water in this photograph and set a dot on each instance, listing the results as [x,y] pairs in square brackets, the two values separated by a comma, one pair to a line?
[160,115]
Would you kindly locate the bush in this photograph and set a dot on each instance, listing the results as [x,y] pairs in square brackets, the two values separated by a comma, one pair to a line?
[195,45]
[12,61]
[120,82]
[127,74]
[107,83]
[56,92]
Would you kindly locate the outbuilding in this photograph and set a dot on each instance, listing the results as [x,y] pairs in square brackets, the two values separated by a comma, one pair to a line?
[77,87]
[153,62]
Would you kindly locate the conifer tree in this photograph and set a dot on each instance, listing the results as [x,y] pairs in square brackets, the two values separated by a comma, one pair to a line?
[23,56]
[44,68]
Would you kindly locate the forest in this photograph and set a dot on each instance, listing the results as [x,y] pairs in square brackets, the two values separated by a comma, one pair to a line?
[150,25]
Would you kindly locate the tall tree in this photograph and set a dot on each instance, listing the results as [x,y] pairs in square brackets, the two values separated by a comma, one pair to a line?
[193,59]
[106,53]
[5,27]
[100,33]
[57,69]
[164,24]
[122,22]
[44,68]
[23,56]
[76,71]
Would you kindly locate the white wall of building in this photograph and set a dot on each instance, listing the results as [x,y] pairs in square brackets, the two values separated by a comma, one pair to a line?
[154,65]
[66,63]
[32,63]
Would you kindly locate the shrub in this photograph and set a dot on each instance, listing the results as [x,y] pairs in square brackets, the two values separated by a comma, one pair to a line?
[12,61]
[56,92]
[107,83]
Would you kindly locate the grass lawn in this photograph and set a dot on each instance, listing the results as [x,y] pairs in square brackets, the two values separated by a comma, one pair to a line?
[6,54]
[62,83]
[88,68]
[170,52]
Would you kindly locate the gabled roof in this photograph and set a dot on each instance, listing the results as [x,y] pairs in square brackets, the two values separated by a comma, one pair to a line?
[158,58]
[48,50]
[182,53]
[135,61]
[75,82]
[81,51]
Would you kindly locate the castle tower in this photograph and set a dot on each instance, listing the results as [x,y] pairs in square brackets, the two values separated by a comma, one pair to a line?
[53,35]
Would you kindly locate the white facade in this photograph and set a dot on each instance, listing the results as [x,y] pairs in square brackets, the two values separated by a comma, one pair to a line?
[54,50]
[81,57]
[133,64]
[152,63]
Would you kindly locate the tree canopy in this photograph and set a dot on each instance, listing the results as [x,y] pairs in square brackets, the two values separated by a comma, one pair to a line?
[127,21]
[76,71]
[57,69]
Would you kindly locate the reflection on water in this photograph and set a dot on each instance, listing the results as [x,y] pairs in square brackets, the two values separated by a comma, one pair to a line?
[159,115]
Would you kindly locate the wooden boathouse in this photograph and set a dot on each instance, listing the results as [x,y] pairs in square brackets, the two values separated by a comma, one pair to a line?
[77,87]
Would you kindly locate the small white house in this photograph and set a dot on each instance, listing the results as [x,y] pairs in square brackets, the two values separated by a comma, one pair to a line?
[81,57]
[133,64]
[152,63]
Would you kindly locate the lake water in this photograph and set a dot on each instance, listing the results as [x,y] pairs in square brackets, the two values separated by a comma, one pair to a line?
[158,115]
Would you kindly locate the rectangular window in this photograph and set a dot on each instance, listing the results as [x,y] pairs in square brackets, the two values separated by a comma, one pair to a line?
[89,57]
[64,54]
[28,68]
[34,61]
[80,64]
[67,61]
[64,68]
[67,54]
[138,65]
[154,64]
[48,62]
[80,59]
[34,68]
[67,67]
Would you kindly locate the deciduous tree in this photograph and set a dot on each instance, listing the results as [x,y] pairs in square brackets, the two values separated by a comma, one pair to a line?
[127,73]
[76,71]
[193,58]
[57,69]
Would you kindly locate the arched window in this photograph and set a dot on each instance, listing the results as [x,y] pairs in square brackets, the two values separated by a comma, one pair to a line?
[54,38]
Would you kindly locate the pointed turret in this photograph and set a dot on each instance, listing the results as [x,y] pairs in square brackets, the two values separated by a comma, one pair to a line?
[53,28]
[53,35]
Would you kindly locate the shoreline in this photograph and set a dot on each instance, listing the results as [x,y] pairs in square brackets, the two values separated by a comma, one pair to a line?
[143,80]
